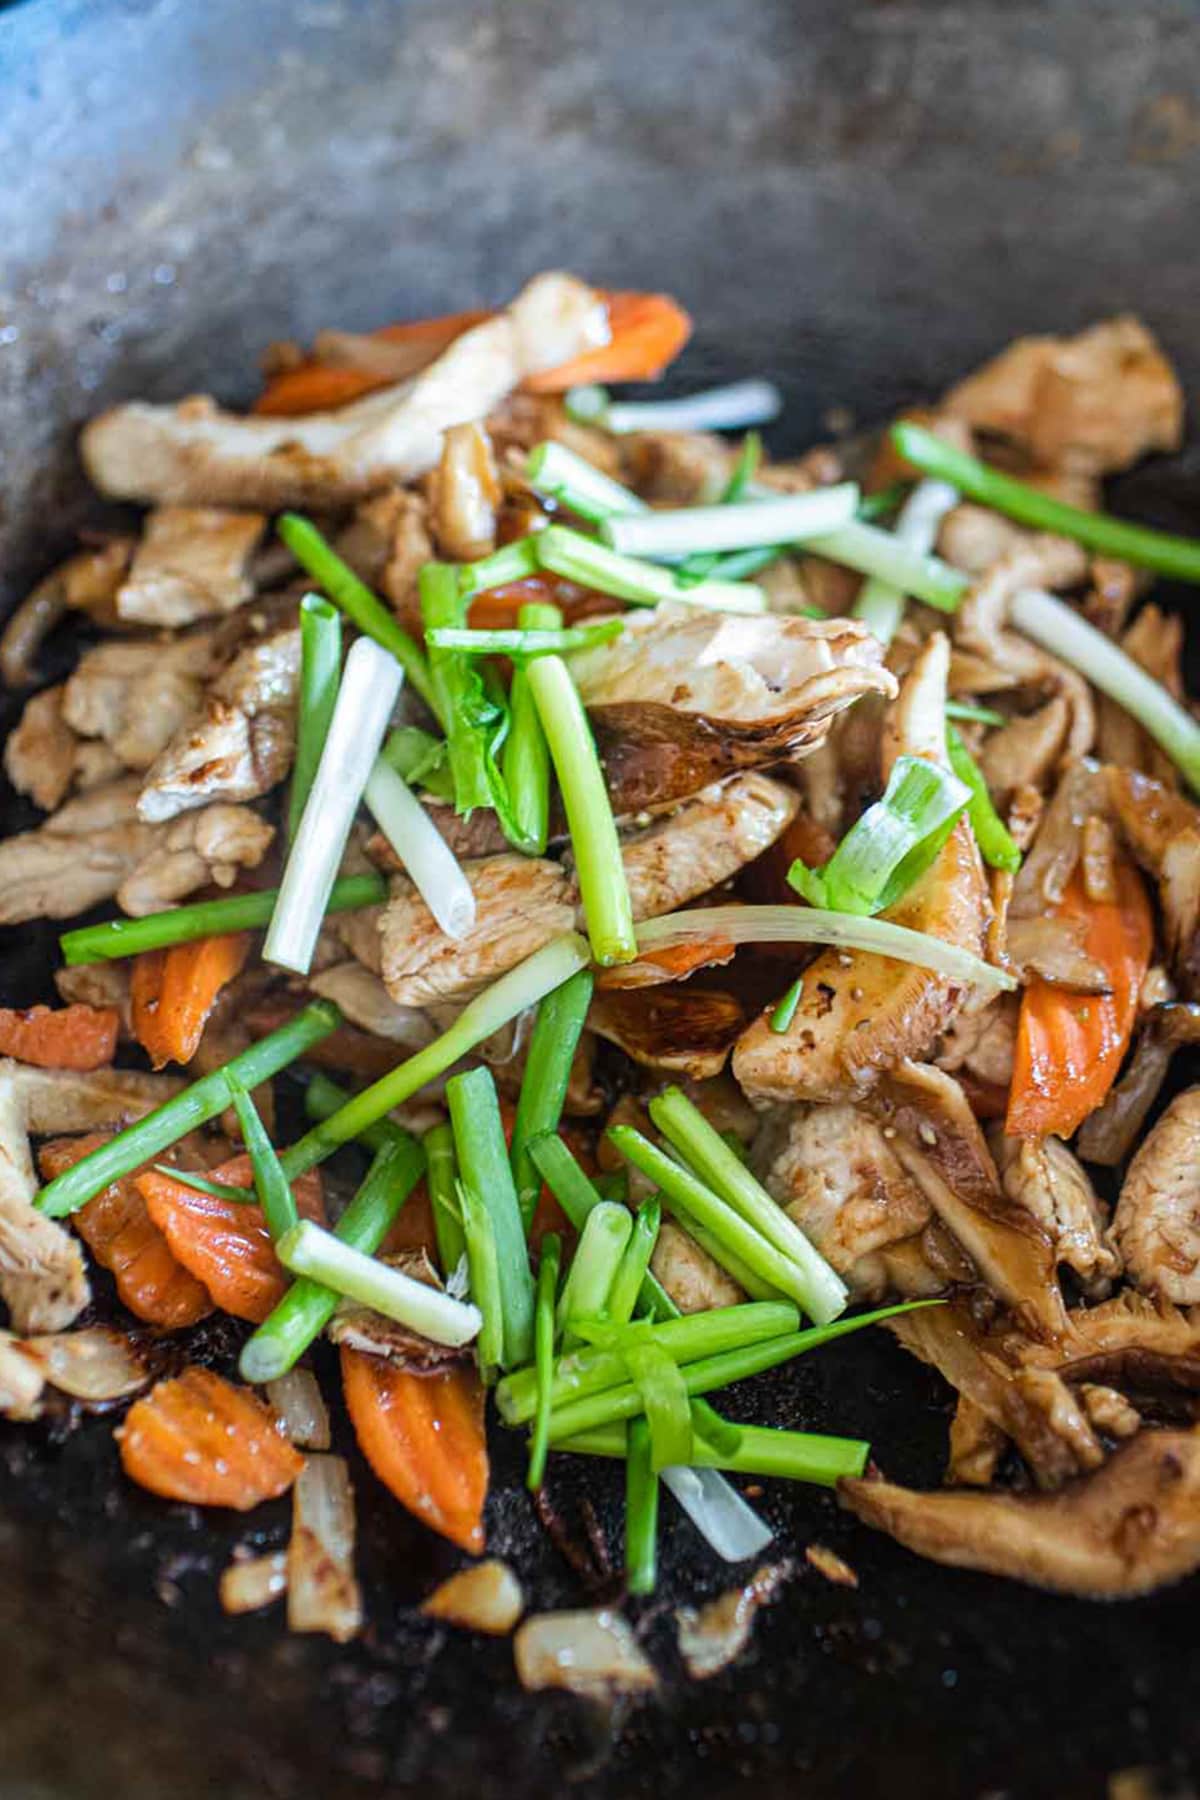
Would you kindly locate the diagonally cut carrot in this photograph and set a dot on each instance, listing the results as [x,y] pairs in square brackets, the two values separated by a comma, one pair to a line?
[123,1238]
[199,1439]
[172,992]
[314,387]
[648,332]
[225,1244]
[424,1437]
[1070,1046]
[61,1037]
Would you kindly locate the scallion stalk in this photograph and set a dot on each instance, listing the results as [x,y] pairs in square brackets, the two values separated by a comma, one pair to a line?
[886,556]
[699,567]
[525,756]
[891,844]
[217,1190]
[577,484]
[753,524]
[762,1450]
[428,860]
[580,559]
[641,1510]
[522,642]
[880,605]
[967,713]
[308,1249]
[483,1267]
[543,1350]
[729,408]
[660,1386]
[441,1179]
[594,1265]
[275,1197]
[323,1097]
[484,1167]
[783,1014]
[995,841]
[320,673]
[513,562]
[552,1046]
[625,1292]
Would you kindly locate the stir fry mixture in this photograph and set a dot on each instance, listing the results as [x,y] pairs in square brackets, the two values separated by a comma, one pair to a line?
[707,905]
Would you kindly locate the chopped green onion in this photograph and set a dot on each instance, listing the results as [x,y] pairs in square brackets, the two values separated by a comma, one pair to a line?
[441,1178]
[823,1294]
[974,715]
[603,890]
[552,1045]
[217,1190]
[323,1097]
[1160,550]
[483,1267]
[762,1451]
[752,524]
[309,1250]
[612,1184]
[307,1307]
[543,1350]
[1059,629]
[883,554]
[364,703]
[521,642]
[428,860]
[356,600]
[735,1266]
[641,1510]
[995,842]
[736,566]
[320,673]
[594,1265]
[514,562]
[562,1174]
[664,1398]
[880,605]
[577,484]
[525,757]
[882,504]
[586,405]
[484,1168]
[520,988]
[729,408]
[719,1433]
[184,1112]
[696,568]
[420,759]
[580,559]
[270,1183]
[475,722]
[809,925]
[783,1014]
[891,845]
[118,938]
[625,1292]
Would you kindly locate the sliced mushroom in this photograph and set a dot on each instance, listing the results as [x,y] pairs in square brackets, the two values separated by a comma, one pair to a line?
[365,1001]
[1024,752]
[684,1029]
[1156,1227]
[60,1100]
[1043,1176]
[465,494]
[1051,948]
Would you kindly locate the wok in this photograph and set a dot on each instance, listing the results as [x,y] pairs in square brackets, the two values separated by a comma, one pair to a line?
[860,200]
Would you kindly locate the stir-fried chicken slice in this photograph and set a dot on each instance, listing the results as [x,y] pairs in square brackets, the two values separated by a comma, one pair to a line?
[55,1101]
[521,902]
[86,582]
[1127,1528]
[1043,1176]
[1145,1346]
[684,696]
[365,1001]
[134,694]
[1025,752]
[980,1044]
[687,1030]
[1155,642]
[861,1015]
[40,751]
[693,1280]
[680,468]
[41,1267]
[976,1445]
[386,543]
[1156,1226]
[191,563]
[102,984]
[189,853]
[1162,830]
[194,454]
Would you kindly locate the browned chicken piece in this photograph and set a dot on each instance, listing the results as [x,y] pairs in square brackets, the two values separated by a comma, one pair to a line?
[79,857]
[386,543]
[96,984]
[683,854]
[61,1100]
[1025,752]
[523,421]
[365,1001]
[861,1015]
[87,582]
[134,694]
[194,454]
[243,741]
[685,696]
[465,494]
[40,751]
[1108,1411]
[359,932]
[1043,1176]
[1155,642]
[686,1030]
[1108,1135]
[1156,1226]
[982,1042]
[1133,1341]
[211,846]
[42,1280]
[976,1445]
[191,563]
[693,1280]
[1127,1528]
[974,537]
[1110,599]
[677,468]
[1162,830]
[479,834]
[1093,403]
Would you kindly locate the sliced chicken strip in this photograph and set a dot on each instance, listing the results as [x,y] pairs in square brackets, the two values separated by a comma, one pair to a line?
[1025,752]
[693,1280]
[1043,1176]
[189,853]
[42,1281]
[79,857]
[134,694]
[1156,1227]
[191,563]
[365,1001]
[40,751]
[55,1101]
[1155,641]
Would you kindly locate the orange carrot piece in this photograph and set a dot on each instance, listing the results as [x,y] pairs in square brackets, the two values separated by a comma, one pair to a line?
[1070,1046]
[60,1037]
[316,386]
[648,332]
[225,1244]
[424,1437]
[124,1239]
[199,1439]
[172,992]
[434,334]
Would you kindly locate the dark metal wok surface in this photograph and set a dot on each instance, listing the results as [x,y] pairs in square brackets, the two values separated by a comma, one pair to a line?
[860,200]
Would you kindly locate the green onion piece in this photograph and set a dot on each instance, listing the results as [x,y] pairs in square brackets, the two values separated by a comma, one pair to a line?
[1160,550]
[665,1403]
[219,1190]
[1059,629]
[603,889]
[423,852]
[523,642]
[356,600]
[882,504]
[641,1511]
[612,1184]
[761,1450]
[891,845]
[586,405]
[974,715]
[474,723]
[738,565]
[307,1307]
[577,1196]
[577,484]
[525,757]
[441,1181]
[748,525]
[991,833]
[483,1267]
[719,1434]
[270,1183]
[708,1374]
[552,1046]
[483,1162]
[543,1351]
[634,1266]
[580,559]
[420,759]
[184,1112]
[728,408]
[880,605]
[521,987]
[514,562]
[594,1265]
[883,554]
[320,672]
[309,1250]
[118,938]
[685,1338]
[684,1125]
[697,568]
[783,1014]
[323,1097]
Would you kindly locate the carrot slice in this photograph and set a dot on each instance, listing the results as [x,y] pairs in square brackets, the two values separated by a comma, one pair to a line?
[61,1037]
[648,332]
[1070,1046]
[123,1238]
[172,992]
[199,1439]
[317,386]
[225,1244]
[424,1437]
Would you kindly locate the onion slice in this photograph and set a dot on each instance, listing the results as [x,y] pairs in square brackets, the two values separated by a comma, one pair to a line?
[252,1582]
[95,1365]
[711,1638]
[298,1401]
[487,1598]
[727,1523]
[594,1654]
[323,1594]
[428,859]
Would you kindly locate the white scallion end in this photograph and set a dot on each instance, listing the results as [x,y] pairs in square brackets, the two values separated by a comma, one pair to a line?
[310,1250]
[786,519]
[732,408]
[431,864]
[880,605]
[726,1522]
